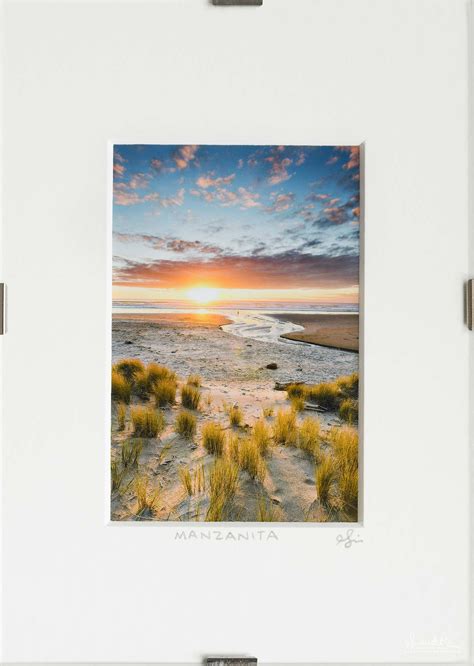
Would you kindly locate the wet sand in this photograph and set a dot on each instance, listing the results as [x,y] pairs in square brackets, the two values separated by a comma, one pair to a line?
[338,331]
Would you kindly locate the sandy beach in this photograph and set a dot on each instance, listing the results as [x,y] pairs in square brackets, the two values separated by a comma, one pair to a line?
[340,331]
[233,371]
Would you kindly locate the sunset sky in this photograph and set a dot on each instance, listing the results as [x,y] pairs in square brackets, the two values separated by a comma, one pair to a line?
[215,223]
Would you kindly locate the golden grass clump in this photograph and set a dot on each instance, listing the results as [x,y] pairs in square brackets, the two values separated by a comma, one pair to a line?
[120,387]
[325,394]
[190,396]
[349,410]
[147,422]
[349,385]
[140,386]
[130,453]
[223,484]
[345,443]
[267,412]
[194,482]
[349,490]
[116,476]
[146,501]
[325,476]
[284,428]
[165,392]
[185,424]
[297,403]
[129,368]
[267,512]
[261,436]
[194,380]
[213,438]
[235,415]
[296,391]
[309,437]
[157,373]
[121,416]
[250,459]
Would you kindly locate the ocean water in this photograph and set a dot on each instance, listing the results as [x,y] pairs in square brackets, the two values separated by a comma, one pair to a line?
[249,320]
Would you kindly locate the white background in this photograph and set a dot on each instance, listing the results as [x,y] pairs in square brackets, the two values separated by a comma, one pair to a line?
[392,73]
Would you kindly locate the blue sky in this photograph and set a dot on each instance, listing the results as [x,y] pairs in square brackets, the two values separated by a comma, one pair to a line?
[247,221]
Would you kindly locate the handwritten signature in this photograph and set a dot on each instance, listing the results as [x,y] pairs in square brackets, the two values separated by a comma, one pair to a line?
[348,540]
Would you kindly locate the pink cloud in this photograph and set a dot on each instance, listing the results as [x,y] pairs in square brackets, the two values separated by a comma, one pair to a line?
[184,155]
[209,181]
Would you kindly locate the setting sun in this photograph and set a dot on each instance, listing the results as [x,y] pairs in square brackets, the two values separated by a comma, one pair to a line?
[202,295]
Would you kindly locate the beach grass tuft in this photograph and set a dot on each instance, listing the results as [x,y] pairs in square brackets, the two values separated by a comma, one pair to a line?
[213,438]
[261,435]
[116,475]
[185,424]
[349,410]
[192,482]
[235,415]
[120,387]
[157,373]
[284,428]
[297,403]
[267,412]
[325,394]
[129,368]
[309,437]
[140,386]
[349,385]
[296,391]
[325,476]
[121,416]
[267,512]
[146,501]
[194,380]
[130,453]
[250,459]
[223,484]
[147,422]
[190,396]
[165,392]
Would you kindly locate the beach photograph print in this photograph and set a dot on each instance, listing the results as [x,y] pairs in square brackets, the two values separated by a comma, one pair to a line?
[235,334]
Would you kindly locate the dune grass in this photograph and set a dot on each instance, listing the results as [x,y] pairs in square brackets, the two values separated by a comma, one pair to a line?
[262,437]
[165,392]
[297,403]
[130,453]
[235,416]
[192,482]
[147,422]
[185,424]
[325,394]
[309,437]
[345,445]
[157,373]
[349,410]
[190,396]
[284,428]
[116,476]
[129,368]
[296,391]
[223,484]
[146,501]
[267,512]
[121,389]
[250,459]
[267,412]
[213,438]
[325,475]
[349,385]
[194,380]
[140,386]
[121,416]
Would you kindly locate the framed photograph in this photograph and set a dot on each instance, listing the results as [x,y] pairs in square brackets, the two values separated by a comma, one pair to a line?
[237,380]
[235,333]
